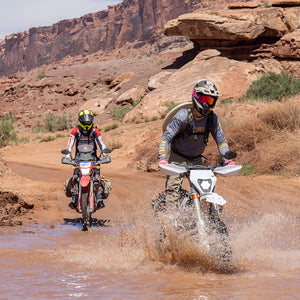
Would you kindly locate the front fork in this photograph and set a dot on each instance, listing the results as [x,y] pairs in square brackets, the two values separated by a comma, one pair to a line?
[200,220]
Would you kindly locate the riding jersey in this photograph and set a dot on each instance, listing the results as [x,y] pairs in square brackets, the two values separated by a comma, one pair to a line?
[193,145]
[85,143]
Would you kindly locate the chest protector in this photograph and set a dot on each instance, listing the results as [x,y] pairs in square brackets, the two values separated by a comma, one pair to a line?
[189,129]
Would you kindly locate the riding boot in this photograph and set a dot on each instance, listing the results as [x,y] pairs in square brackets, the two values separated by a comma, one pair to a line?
[74,202]
[99,200]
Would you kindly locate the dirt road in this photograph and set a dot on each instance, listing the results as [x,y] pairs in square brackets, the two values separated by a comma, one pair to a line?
[261,215]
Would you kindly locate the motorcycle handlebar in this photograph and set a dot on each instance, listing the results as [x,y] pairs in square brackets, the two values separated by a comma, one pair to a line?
[68,161]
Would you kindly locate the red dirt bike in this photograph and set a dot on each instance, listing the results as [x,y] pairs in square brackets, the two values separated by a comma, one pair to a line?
[85,164]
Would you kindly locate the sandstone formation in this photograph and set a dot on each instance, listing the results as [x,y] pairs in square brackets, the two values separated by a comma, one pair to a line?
[121,79]
[131,96]
[158,80]
[132,21]
[231,77]
[97,105]
[242,33]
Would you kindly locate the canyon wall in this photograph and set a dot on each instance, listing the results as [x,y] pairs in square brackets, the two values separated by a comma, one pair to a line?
[139,21]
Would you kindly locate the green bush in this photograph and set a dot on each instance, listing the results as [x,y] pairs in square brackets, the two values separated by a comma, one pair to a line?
[48,138]
[111,127]
[273,87]
[41,72]
[248,170]
[119,112]
[57,123]
[170,106]
[7,129]
[138,101]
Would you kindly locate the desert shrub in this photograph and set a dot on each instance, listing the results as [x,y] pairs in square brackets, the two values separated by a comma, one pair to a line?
[48,138]
[146,155]
[54,123]
[115,144]
[59,135]
[248,170]
[138,102]
[38,128]
[280,155]
[41,72]
[50,122]
[281,116]
[119,112]
[170,105]
[23,139]
[7,129]
[64,122]
[273,87]
[246,134]
[269,142]
[160,62]
[111,127]
[225,102]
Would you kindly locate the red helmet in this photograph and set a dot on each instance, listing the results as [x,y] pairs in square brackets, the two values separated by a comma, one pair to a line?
[204,96]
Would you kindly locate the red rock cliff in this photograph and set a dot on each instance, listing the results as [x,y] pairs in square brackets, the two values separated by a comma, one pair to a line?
[130,21]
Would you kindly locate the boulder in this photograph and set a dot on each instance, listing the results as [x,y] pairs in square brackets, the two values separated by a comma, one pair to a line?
[237,33]
[237,5]
[97,105]
[288,46]
[232,78]
[158,80]
[120,79]
[284,2]
[131,96]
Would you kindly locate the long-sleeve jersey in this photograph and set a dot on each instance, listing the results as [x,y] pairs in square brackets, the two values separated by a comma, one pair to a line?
[85,142]
[187,145]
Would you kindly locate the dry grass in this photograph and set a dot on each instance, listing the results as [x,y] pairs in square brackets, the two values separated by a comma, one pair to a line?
[269,140]
[281,155]
[265,135]
[245,135]
[281,116]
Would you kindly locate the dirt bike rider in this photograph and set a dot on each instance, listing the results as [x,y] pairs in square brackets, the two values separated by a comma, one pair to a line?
[187,133]
[85,133]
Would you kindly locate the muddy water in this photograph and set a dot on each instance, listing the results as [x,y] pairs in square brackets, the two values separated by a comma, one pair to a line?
[119,259]
[116,262]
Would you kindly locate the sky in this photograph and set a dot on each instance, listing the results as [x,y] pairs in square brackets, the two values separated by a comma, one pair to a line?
[20,15]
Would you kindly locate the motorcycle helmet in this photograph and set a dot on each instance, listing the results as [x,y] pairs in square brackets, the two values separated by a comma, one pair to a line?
[85,118]
[204,96]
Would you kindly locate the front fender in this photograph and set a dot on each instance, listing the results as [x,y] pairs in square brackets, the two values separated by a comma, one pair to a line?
[213,198]
[85,180]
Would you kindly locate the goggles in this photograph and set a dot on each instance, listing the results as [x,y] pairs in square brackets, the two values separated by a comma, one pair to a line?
[86,122]
[206,99]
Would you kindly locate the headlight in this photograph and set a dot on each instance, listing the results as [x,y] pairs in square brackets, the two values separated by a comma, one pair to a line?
[205,184]
[85,167]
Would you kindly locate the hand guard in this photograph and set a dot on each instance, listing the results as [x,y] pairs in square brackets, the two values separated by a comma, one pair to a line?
[229,162]
[163,162]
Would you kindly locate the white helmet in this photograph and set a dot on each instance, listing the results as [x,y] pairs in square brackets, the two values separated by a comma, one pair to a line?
[204,96]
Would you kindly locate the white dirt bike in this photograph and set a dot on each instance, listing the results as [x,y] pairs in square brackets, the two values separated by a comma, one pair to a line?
[198,212]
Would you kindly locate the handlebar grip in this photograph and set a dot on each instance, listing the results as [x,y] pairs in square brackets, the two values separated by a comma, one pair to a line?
[104,160]
[65,161]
